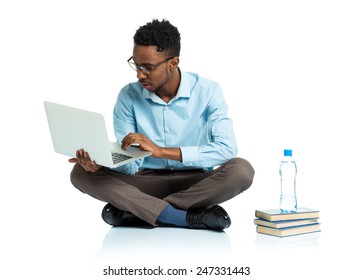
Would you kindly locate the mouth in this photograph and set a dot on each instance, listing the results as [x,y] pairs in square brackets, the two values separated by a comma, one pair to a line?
[145,85]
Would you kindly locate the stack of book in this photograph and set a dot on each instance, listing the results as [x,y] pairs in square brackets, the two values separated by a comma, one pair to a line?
[273,222]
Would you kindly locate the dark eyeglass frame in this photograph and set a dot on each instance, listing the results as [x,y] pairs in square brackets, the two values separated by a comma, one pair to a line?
[146,69]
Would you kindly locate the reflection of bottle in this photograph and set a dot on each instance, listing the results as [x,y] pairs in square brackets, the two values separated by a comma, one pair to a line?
[288,171]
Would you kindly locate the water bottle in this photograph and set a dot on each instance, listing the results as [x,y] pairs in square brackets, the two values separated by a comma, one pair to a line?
[288,171]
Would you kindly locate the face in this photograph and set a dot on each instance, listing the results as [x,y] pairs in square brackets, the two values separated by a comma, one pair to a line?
[160,76]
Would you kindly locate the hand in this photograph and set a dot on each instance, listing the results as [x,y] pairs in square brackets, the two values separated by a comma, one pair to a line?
[84,160]
[143,143]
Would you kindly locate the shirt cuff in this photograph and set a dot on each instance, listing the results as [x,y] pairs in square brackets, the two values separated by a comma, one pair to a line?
[190,156]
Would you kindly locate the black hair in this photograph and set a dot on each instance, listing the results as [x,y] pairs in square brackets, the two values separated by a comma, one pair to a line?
[161,34]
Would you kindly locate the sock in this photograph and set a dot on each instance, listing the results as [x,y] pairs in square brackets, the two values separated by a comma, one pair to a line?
[173,216]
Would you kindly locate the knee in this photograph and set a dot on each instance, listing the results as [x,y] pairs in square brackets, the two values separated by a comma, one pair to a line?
[77,177]
[244,171]
[74,175]
[242,174]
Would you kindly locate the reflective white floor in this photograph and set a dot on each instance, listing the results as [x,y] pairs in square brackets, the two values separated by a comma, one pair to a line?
[162,242]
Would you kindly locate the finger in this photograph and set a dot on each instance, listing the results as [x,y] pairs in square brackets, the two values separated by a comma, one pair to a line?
[125,143]
[136,140]
[72,160]
[88,161]
[126,140]
[79,154]
[87,157]
[93,166]
[79,158]
[133,139]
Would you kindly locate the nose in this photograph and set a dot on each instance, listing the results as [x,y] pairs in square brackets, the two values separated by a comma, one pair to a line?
[141,74]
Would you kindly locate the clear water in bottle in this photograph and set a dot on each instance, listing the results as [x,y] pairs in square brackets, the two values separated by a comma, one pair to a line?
[288,171]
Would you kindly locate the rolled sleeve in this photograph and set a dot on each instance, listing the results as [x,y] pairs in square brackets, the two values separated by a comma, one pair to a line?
[190,156]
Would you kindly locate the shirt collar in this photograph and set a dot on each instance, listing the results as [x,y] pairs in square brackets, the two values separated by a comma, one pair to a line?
[183,90]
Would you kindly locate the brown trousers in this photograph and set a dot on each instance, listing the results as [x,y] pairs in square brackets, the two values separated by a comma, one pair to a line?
[148,192]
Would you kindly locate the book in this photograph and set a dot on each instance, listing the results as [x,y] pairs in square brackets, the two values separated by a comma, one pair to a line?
[289,231]
[276,215]
[283,224]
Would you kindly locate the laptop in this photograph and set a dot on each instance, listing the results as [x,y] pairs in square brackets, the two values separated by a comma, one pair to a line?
[72,129]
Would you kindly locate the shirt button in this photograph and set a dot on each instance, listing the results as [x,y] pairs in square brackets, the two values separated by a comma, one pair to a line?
[166,108]
[167,130]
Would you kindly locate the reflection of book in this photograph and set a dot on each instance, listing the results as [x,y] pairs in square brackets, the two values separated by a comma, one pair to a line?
[276,215]
[289,231]
[283,224]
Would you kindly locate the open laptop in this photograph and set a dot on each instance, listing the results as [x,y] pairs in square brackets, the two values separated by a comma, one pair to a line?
[73,129]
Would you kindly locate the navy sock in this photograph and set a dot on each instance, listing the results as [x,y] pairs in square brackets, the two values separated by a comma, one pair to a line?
[173,216]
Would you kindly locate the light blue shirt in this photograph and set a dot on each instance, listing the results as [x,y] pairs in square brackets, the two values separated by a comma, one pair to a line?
[195,120]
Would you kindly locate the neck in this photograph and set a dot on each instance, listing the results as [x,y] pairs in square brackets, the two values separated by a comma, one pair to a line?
[169,91]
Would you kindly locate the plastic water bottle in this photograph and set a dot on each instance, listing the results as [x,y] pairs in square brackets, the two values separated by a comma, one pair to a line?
[288,171]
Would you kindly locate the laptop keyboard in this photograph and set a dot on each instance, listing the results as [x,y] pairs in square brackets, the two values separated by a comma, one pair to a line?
[116,157]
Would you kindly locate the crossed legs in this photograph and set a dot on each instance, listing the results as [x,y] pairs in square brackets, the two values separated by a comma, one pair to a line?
[147,193]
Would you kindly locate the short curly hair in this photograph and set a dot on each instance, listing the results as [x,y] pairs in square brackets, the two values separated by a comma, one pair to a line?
[161,34]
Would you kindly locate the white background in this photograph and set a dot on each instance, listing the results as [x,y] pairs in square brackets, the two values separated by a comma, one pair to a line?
[285,69]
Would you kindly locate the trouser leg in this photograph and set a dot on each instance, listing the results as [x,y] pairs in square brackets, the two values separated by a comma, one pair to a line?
[122,191]
[214,187]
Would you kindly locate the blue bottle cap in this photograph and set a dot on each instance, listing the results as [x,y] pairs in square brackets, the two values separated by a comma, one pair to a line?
[288,153]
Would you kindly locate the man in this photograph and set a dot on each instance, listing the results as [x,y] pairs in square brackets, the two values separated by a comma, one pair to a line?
[182,120]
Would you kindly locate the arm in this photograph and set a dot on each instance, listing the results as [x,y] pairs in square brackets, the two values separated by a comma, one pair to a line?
[221,144]
[145,144]
[125,123]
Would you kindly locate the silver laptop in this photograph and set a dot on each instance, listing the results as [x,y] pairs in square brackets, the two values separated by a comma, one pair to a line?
[73,129]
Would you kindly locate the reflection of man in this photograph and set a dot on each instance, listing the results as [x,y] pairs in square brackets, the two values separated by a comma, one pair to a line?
[182,120]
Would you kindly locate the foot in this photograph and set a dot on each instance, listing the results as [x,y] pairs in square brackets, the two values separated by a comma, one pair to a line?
[214,218]
[116,217]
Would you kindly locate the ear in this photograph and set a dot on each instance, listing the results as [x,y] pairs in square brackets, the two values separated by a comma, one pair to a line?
[174,63]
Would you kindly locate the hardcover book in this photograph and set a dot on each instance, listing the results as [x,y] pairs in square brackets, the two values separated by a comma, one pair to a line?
[289,231]
[276,215]
[283,224]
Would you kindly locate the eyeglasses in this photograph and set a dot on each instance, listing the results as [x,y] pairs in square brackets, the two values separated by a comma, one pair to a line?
[146,69]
